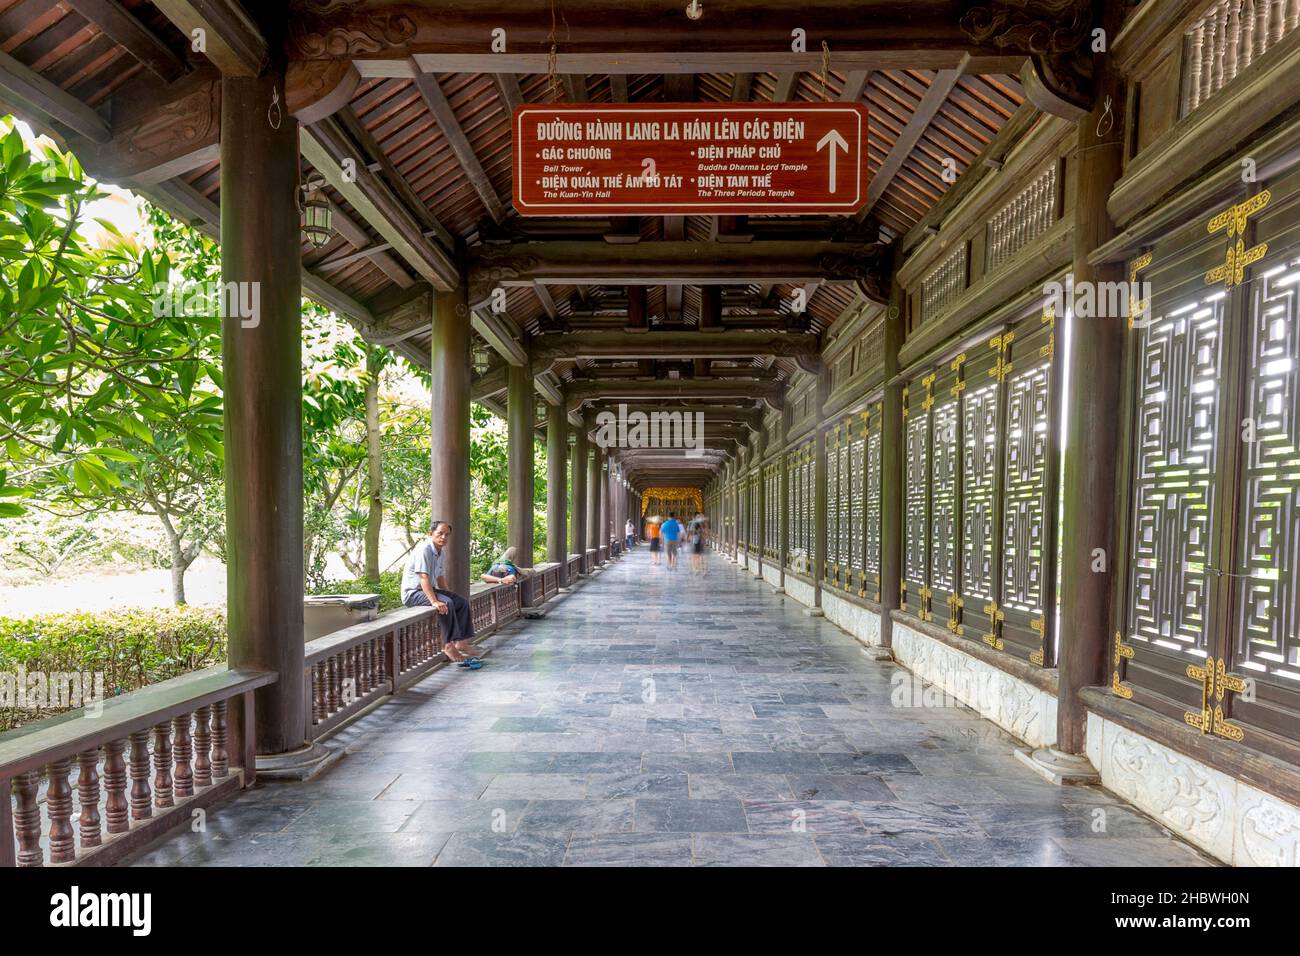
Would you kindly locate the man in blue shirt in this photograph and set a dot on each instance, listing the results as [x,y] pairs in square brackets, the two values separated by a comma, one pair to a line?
[672,534]
[424,585]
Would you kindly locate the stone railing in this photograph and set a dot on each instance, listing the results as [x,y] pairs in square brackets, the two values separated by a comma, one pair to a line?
[193,732]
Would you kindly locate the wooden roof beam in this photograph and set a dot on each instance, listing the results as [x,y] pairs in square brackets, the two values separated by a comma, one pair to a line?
[436,101]
[33,91]
[925,112]
[231,38]
[125,29]
[662,263]
[325,145]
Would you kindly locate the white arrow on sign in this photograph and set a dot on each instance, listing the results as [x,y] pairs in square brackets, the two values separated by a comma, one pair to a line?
[834,140]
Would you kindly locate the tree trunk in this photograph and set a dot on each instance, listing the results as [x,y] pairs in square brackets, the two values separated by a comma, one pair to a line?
[374,458]
[179,564]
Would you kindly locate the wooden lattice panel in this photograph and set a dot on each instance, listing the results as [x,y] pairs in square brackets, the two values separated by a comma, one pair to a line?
[916,502]
[871,507]
[981,453]
[1175,460]
[1269,522]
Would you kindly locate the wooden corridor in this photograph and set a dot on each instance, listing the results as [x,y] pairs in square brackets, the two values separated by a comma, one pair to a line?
[654,718]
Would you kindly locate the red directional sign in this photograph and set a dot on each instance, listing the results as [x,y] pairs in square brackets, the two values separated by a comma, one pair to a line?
[689,159]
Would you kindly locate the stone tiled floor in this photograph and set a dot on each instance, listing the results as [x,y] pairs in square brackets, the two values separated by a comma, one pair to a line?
[656,718]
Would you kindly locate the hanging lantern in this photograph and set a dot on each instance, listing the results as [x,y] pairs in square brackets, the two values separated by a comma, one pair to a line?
[317,218]
[480,358]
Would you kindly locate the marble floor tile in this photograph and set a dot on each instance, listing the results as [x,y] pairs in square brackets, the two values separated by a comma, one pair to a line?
[659,719]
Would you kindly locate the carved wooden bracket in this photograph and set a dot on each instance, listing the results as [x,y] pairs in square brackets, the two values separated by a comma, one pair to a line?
[1056,35]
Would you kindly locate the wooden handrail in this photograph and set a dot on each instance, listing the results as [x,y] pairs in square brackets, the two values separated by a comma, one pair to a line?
[34,745]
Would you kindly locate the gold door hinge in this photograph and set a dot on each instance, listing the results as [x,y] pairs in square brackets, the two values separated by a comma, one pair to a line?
[1039,624]
[924,593]
[1122,651]
[994,637]
[1236,256]
[1003,344]
[955,604]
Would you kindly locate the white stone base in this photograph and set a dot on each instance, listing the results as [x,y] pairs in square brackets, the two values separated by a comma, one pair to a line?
[805,594]
[1231,820]
[1018,707]
[772,575]
[853,618]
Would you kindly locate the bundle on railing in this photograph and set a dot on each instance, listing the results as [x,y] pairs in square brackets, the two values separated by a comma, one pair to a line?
[1230,36]
[200,749]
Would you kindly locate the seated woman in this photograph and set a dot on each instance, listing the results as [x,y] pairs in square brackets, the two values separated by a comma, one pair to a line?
[503,570]
[424,584]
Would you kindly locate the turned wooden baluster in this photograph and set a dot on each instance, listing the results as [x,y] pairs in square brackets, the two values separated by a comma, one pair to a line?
[1194,54]
[202,747]
[1247,34]
[183,750]
[220,756]
[333,697]
[1207,60]
[1292,14]
[116,808]
[1276,23]
[349,676]
[363,672]
[162,763]
[27,819]
[318,711]
[1231,37]
[88,797]
[141,804]
[1261,26]
[58,804]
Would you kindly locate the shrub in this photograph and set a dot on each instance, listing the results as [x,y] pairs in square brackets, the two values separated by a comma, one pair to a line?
[131,648]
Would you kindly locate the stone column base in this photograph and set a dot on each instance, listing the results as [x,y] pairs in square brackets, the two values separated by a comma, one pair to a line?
[301,764]
[1059,768]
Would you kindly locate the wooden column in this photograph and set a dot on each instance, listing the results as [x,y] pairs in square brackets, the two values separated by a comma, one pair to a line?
[449,431]
[520,412]
[891,461]
[710,308]
[783,506]
[557,524]
[262,364]
[579,490]
[819,490]
[637,320]
[602,471]
[1095,362]
[760,449]
[593,493]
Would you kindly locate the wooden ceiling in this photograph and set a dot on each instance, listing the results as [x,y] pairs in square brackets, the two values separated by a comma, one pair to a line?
[441,143]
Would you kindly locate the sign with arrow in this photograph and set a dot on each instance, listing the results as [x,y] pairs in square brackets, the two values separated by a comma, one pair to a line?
[652,159]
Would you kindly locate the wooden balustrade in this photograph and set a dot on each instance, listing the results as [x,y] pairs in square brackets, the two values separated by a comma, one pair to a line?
[944,284]
[1228,38]
[180,729]
[156,754]
[1028,215]
[575,568]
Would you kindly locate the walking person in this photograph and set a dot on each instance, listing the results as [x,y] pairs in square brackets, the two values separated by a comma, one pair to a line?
[425,585]
[629,532]
[671,532]
[695,532]
[652,532]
